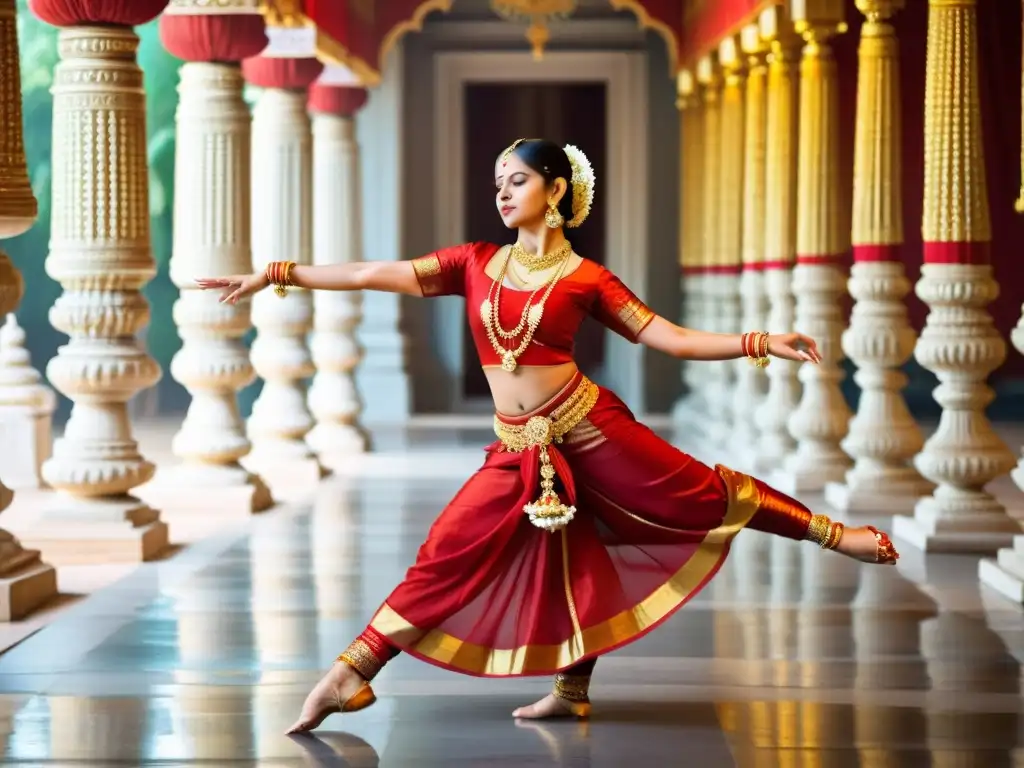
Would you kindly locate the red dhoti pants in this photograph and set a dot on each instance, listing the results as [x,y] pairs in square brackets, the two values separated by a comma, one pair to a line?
[491,594]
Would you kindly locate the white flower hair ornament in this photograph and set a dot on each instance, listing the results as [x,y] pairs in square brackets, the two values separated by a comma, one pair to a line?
[582,185]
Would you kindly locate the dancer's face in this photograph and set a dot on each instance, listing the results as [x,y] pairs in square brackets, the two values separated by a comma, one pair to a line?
[522,194]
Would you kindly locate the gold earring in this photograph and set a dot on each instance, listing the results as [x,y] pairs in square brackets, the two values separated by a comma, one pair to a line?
[552,217]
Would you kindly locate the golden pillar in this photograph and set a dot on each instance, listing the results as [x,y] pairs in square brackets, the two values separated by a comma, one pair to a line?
[25,581]
[724,282]
[782,122]
[883,436]
[751,384]
[709,76]
[692,256]
[959,343]
[820,420]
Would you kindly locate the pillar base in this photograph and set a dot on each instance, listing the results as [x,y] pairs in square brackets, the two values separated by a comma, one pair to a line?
[807,479]
[289,478]
[891,497]
[228,491]
[978,533]
[75,531]
[26,583]
[335,443]
[1005,572]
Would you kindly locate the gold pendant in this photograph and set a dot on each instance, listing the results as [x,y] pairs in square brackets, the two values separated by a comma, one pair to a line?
[508,362]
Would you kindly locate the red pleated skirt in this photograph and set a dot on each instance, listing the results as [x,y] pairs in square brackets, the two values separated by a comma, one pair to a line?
[490,594]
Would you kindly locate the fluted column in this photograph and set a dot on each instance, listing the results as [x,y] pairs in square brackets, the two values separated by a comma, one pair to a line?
[710,77]
[337,213]
[959,343]
[100,254]
[751,383]
[883,436]
[282,192]
[26,582]
[211,238]
[691,235]
[774,441]
[820,420]
[724,281]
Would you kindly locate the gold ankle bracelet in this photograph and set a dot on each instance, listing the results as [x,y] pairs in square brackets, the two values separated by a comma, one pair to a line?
[362,659]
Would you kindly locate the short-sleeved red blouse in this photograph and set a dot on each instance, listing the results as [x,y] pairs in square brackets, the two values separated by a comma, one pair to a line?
[590,289]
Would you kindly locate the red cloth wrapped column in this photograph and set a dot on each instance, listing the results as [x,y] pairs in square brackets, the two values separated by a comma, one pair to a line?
[333,398]
[212,238]
[100,254]
[282,186]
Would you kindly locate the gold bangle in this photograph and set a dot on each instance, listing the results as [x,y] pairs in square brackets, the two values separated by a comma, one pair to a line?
[818,529]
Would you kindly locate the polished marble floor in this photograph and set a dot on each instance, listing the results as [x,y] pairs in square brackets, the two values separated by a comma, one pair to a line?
[790,657]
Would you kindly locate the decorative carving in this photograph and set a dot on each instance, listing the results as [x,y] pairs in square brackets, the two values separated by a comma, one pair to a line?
[333,398]
[775,442]
[539,13]
[213,7]
[959,343]
[19,209]
[724,282]
[883,436]
[820,420]
[751,383]
[100,254]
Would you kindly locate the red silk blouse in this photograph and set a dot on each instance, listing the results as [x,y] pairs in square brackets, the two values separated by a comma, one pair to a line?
[590,289]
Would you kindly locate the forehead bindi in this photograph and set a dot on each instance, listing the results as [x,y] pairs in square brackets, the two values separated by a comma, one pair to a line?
[508,166]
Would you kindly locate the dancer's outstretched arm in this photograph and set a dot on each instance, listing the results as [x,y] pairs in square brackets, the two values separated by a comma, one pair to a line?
[389,276]
[689,344]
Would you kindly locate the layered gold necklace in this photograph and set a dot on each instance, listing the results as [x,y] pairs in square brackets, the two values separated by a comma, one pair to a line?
[490,311]
[537,262]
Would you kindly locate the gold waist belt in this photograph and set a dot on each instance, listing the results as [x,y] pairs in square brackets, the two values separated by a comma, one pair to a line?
[539,432]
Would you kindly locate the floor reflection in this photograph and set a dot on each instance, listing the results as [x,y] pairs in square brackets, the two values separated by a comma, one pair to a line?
[791,657]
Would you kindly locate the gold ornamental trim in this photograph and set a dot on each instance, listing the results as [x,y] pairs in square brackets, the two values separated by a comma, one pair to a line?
[213,8]
[413,24]
[647,21]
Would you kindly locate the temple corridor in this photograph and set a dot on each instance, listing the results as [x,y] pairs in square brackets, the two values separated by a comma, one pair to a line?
[791,656]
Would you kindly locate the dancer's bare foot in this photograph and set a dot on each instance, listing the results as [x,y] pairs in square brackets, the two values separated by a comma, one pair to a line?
[342,689]
[868,545]
[552,706]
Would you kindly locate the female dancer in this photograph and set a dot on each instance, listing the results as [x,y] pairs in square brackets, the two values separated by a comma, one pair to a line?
[583,530]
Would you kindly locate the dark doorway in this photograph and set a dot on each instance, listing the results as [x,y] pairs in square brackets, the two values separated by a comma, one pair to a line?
[497,115]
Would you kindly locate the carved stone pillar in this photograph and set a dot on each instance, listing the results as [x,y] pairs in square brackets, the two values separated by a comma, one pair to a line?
[211,237]
[337,222]
[883,435]
[959,343]
[282,198]
[710,78]
[774,441]
[820,420]
[751,383]
[25,581]
[100,254]
[724,281]
[691,234]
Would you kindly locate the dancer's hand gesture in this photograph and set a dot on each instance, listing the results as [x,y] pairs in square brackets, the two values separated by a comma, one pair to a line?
[235,287]
[793,346]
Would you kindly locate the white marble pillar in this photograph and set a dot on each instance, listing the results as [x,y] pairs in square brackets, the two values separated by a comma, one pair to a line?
[691,245]
[282,217]
[960,342]
[211,238]
[774,441]
[751,382]
[26,582]
[26,411]
[724,282]
[333,398]
[100,253]
[820,420]
[883,436]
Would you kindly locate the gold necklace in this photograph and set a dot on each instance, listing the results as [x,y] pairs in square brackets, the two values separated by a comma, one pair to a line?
[490,311]
[535,262]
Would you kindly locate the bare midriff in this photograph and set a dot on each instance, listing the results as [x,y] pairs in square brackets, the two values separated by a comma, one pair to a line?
[528,387]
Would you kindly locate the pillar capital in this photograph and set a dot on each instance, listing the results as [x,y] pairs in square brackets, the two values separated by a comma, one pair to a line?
[818,20]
